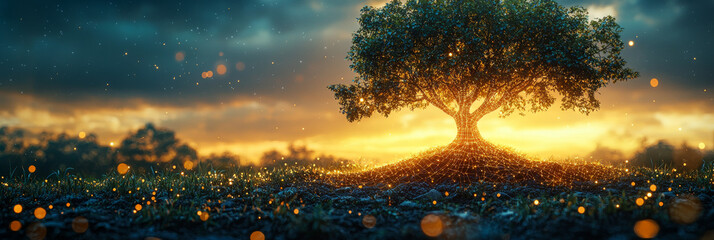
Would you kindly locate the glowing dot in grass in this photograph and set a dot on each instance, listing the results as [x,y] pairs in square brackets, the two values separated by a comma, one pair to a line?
[138,207]
[221,69]
[536,202]
[209,74]
[446,193]
[296,211]
[633,184]
[631,43]
[179,56]
[661,204]
[653,188]
[434,202]
[67,204]
[188,165]
[369,221]
[40,213]
[31,169]
[702,146]
[80,224]
[431,225]
[122,168]
[51,207]
[15,226]
[617,205]
[581,209]
[82,135]
[361,99]
[240,66]
[111,144]
[498,194]
[17,208]
[204,216]
[36,231]
[640,201]
[654,82]
[257,235]
[647,228]
[451,54]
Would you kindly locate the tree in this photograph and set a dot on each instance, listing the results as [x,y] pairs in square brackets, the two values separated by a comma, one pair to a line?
[150,146]
[469,58]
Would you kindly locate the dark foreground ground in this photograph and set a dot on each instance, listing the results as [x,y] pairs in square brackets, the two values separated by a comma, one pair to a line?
[276,204]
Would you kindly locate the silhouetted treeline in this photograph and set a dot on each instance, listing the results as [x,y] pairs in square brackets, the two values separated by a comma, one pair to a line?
[302,156]
[658,155]
[146,149]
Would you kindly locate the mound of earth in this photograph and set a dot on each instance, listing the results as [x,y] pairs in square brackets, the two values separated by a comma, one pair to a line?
[482,162]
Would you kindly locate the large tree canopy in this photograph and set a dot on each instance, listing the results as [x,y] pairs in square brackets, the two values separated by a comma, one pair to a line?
[472,57]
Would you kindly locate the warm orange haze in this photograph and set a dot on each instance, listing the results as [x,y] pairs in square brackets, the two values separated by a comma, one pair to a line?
[246,100]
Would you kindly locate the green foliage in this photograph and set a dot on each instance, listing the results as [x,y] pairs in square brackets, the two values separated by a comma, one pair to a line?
[513,55]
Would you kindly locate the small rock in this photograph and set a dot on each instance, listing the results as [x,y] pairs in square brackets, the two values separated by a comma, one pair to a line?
[430,195]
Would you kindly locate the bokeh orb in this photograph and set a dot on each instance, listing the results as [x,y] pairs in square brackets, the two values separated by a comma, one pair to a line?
[647,228]
[36,231]
[432,225]
[80,224]
[40,213]
[221,69]
[31,168]
[15,226]
[257,235]
[17,208]
[122,168]
[685,210]
[654,82]
[369,221]
[180,56]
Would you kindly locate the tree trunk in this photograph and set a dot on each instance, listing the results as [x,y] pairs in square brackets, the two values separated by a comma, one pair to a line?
[468,133]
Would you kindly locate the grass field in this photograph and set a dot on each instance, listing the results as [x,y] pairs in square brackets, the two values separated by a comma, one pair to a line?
[249,203]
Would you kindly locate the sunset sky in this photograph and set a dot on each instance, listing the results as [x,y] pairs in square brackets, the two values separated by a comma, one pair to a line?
[111,67]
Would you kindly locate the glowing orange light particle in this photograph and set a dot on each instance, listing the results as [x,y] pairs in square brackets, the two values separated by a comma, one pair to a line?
[581,209]
[702,146]
[640,201]
[17,208]
[631,43]
[138,207]
[536,202]
[647,228]
[221,69]
[31,169]
[180,56]
[257,235]
[209,74]
[188,165]
[40,213]
[431,225]
[653,188]
[654,82]
[296,211]
[82,135]
[122,168]
[204,216]
[15,226]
